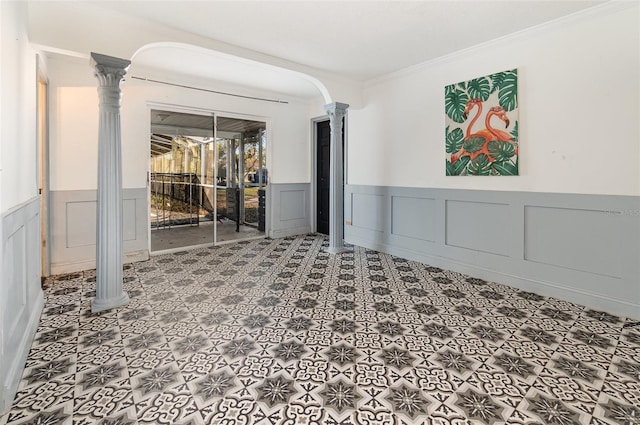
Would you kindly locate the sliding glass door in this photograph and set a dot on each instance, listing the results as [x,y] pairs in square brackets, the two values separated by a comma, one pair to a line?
[207,179]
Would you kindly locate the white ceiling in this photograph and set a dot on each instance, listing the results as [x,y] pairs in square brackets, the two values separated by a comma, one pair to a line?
[357,39]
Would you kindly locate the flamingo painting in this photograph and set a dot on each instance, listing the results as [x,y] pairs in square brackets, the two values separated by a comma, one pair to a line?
[471,104]
[491,150]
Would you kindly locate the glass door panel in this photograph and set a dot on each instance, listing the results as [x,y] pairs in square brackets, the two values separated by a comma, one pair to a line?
[255,175]
[206,180]
[182,183]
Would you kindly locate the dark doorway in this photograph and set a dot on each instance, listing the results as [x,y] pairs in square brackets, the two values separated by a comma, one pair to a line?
[323,165]
[323,176]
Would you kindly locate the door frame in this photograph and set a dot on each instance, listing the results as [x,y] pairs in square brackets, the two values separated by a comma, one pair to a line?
[214,114]
[314,170]
[42,161]
[314,165]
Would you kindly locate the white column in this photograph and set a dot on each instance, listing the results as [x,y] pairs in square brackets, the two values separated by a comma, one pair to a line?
[336,112]
[109,293]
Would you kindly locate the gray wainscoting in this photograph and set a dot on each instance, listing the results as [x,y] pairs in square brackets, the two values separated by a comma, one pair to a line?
[288,209]
[21,297]
[73,228]
[581,248]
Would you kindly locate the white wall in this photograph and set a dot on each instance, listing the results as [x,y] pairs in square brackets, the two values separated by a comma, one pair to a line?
[21,298]
[578,101]
[18,110]
[82,27]
[74,126]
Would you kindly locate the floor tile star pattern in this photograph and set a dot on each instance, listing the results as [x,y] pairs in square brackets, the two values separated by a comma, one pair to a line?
[280,332]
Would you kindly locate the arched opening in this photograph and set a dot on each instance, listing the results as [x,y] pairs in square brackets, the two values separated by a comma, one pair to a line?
[201,63]
[205,96]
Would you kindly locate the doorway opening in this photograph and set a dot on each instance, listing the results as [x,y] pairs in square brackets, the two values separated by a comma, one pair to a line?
[207,179]
[323,173]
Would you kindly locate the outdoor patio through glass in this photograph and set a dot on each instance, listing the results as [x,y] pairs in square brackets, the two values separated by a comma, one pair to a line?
[207,179]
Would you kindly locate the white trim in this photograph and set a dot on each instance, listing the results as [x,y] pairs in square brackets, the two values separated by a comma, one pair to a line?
[42,155]
[58,51]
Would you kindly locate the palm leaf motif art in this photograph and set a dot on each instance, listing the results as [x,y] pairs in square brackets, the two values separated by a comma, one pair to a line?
[455,102]
[481,136]
[454,140]
[479,88]
[480,166]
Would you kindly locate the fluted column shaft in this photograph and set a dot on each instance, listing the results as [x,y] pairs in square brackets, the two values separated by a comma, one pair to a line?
[336,112]
[109,292]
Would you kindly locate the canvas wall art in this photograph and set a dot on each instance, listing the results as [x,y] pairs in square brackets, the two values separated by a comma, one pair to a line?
[482,126]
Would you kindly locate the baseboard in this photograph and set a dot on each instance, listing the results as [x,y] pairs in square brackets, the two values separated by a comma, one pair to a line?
[64,268]
[14,374]
[550,289]
[293,231]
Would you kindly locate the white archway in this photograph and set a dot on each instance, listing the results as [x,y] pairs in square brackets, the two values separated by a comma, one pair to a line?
[200,62]
[195,61]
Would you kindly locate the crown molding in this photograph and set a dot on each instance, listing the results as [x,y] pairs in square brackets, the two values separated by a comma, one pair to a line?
[610,7]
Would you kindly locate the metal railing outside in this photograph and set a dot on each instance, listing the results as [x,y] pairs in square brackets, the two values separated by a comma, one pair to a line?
[179,199]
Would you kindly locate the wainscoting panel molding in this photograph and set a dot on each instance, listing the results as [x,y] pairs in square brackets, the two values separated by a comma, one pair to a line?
[73,229]
[82,232]
[363,204]
[292,205]
[573,228]
[406,211]
[21,297]
[581,248]
[480,226]
[288,209]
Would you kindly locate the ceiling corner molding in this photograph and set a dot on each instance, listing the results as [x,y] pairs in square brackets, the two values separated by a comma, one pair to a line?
[613,6]
[63,52]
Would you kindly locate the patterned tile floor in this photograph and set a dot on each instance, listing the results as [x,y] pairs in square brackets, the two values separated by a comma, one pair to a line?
[278,332]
